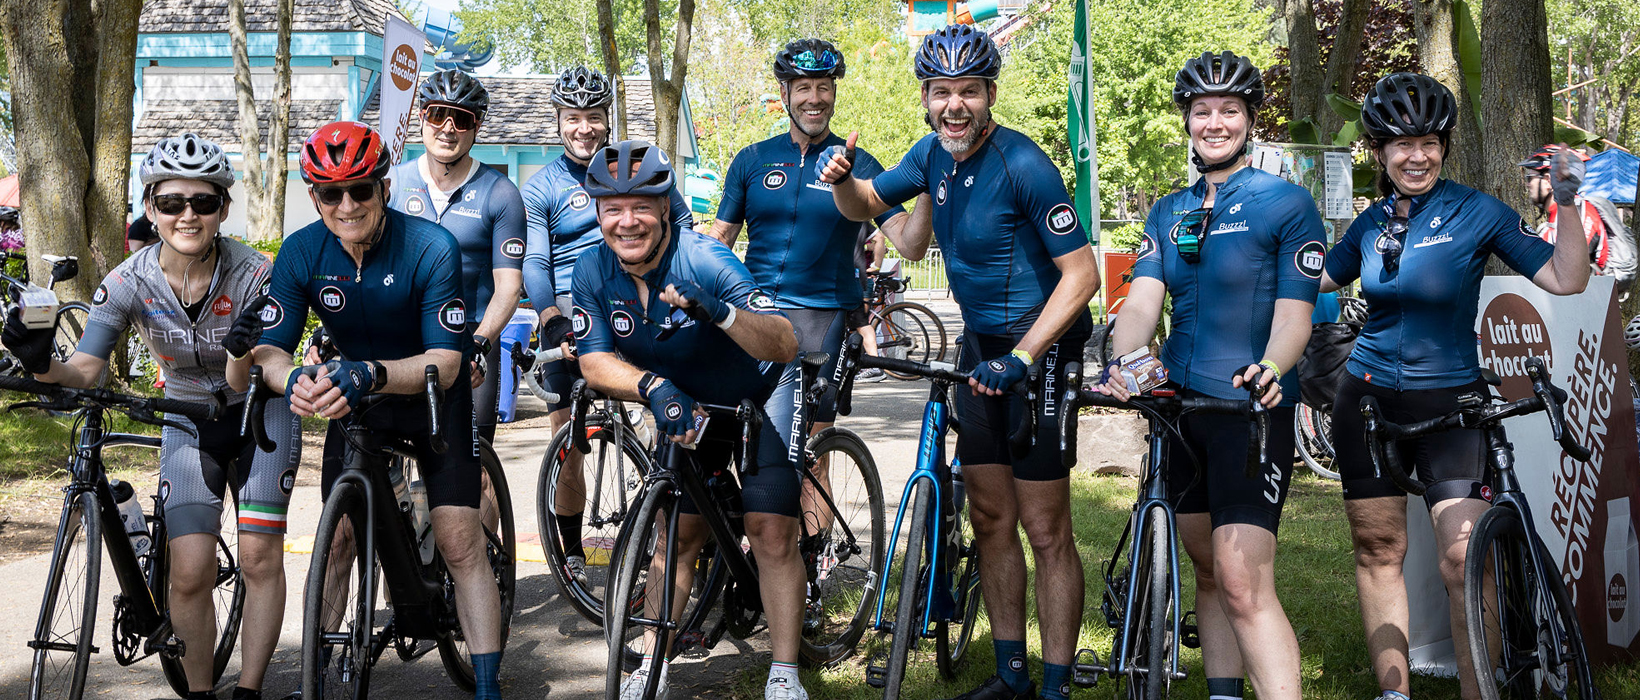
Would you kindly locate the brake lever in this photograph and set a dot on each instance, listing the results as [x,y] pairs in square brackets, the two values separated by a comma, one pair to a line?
[849,361]
[1023,439]
[251,418]
[1067,414]
[1554,407]
[1258,429]
[751,430]
[578,417]
[435,394]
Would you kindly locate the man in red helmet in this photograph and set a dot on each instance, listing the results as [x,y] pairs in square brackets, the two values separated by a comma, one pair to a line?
[1611,247]
[388,288]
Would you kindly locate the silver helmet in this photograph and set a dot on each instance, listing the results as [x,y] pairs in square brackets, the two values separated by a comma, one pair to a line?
[186,157]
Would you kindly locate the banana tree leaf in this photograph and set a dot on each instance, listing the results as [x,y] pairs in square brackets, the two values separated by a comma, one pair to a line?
[1344,107]
[1364,180]
[1348,133]
[1469,54]
[1305,131]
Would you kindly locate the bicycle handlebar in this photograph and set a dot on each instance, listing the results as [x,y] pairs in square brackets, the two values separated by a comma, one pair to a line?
[1160,403]
[139,408]
[750,417]
[256,399]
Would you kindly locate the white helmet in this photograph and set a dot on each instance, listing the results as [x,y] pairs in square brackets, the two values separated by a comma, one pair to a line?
[1631,333]
[186,157]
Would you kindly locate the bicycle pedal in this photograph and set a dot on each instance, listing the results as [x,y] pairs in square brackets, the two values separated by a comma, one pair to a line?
[1189,635]
[1086,674]
[172,648]
[876,671]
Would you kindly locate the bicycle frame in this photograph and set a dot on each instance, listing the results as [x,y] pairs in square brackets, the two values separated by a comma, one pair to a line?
[1152,493]
[931,466]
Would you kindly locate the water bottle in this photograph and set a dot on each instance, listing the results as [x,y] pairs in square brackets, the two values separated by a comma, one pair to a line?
[959,490]
[136,527]
[422,520]
[395,478]
[640,427]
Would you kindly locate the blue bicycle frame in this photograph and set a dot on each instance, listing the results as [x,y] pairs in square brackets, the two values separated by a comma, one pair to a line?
[932,467]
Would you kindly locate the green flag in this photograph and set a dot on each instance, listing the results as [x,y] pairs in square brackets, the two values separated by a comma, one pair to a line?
[1079,121]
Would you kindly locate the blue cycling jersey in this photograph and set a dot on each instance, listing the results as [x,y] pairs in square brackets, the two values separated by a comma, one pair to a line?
[1000,217]
[1263,241]
[1420,331]
[486,216]
[798,246]
[562,223]
[700,358]
[412,272]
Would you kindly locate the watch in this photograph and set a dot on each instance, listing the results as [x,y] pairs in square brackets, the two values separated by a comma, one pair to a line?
[645,383]
[380,370]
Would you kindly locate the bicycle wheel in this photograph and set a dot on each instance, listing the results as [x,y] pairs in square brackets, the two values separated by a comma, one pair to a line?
[908,608]
[1314,431]
[338,618]
[621,632]
[910,331]
[71,320]
[1524,640]
[68,613]
[948,649]
[227,597]
[501,549]
[611,478]
[841,562]
[1151,669]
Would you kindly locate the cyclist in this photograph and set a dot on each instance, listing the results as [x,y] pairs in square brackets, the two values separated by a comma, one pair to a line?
[561,225]
[1240,252]
[630,297]
[1420,253]
[1023,272]
[1611,247]
[11,230]
[365,269]
[194,299]
[479,206]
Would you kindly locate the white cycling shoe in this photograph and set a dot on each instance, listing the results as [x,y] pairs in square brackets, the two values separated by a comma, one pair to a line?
[783,687]
[632,687]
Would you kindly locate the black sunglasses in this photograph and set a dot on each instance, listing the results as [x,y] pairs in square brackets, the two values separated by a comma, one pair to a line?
[1189,235]
[671,324]
[173,204]
[332,196]
[1391,242]
[436,115]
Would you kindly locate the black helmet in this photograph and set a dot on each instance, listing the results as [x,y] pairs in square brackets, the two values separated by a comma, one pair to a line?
[1221,74]
[808,58]
[8,214]
[1408,104]
[582,88]
[958,51]
[654,176]
[453,87]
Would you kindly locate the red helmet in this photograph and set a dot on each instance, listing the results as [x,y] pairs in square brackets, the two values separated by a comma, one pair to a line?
[1543,157]
[341,151]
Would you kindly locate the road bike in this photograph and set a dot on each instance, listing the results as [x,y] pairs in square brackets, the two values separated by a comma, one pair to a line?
[71,316]
[1524,638]
[905,330]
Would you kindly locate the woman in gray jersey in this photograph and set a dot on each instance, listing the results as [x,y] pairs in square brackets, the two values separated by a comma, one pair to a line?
[195,301]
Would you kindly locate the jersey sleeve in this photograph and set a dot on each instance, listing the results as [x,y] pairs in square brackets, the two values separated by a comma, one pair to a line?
[507,244]
[288,287]
[111,315]
[732,207]
[590,317]
[537,263]
[1344,260]
[1148,262]
[866,166]
[443,311]
[909,178]
[682,217]
[1510,238]
[1043,201]
[732,282]
[1300,247]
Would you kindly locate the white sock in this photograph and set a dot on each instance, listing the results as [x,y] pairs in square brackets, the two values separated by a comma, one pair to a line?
[782,673]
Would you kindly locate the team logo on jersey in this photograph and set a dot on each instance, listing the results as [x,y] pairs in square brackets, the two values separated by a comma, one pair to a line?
[164,490]
[470,195]
[1235,209]
[453,316]
[579,323]
[622,322]
[1310,259]
[760,301]
[939,193]
[287,481]
[1527,230]
[1061,219]
[414,206]
[222,306]
[513,248]
[332,299]
[271,314]
[969,182]
[101,296]
[579,200]
[1146,246]
[775,180]
[388,280]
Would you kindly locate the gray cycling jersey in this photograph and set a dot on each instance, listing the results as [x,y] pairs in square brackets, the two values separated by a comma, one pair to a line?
[136,294]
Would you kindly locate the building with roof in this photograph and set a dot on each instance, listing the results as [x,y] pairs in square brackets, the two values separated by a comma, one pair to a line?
[184,69]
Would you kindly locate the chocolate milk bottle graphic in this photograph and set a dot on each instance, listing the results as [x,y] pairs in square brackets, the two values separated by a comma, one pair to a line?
[1622,573]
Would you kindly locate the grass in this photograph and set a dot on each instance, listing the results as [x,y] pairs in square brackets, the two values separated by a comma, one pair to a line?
[35,444]
[1315,578]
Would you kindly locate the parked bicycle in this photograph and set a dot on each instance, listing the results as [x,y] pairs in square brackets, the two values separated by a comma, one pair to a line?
[1524,638]
[1141,600]
[905,330]
[71,316]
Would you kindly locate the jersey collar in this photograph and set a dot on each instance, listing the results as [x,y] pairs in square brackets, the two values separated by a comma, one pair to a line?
[1418,202]
[1236,180]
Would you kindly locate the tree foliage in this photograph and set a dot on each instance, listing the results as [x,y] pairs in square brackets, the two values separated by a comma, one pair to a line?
[1599,41]
[551,35]
[1387,45]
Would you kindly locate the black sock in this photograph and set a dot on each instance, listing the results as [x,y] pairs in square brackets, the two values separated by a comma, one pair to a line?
[246,694]
[569,533]
[199,695]
[1225,688]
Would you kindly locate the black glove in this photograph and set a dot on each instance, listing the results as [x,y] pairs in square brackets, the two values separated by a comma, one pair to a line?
[247,329]
[31,346]
[557,330]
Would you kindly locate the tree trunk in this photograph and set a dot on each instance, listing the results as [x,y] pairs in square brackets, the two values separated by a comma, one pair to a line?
[111,152]
[1343,62]
[612,68]
[1436,31]
[1303,57]
[264,180]
[250,133]
[668,92]
[1515,87]
[279,131]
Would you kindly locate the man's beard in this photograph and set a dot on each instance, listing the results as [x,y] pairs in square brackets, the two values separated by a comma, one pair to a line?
[978,123]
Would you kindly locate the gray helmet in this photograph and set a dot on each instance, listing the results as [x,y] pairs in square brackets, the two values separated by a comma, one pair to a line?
[453,87]
[653,178]
[582,88]
[186,157]
[1218,74]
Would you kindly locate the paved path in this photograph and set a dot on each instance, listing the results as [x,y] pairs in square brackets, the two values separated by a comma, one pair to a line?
[552,651]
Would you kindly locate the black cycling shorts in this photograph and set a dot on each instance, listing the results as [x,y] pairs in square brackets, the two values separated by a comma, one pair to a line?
[452,478]
[821,330]
[777,487]
[1453,462]
[985,422]
[1216,481]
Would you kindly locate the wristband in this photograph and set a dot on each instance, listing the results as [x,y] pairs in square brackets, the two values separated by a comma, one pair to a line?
[1021,354]
[728,320]
[1271,365]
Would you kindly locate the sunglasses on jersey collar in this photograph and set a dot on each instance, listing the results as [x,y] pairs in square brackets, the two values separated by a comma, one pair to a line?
[437,116]
[174,204]
[1190,235]
[809,60]
[671,324]
[332,196]
[1391,242]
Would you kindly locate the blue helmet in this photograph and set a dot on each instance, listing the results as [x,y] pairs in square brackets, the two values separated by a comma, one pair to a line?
[958,51]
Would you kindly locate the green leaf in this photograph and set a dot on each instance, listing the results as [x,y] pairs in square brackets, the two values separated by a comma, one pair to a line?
[1573,136]
[1304,131]
[1469,54]
[1344,107]
[1364,178]
[1348,133]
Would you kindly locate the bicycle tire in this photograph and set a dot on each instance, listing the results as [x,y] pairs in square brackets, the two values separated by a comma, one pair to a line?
[908,608]
[228,596]
[913,322]
[637,551]
[1517,612]
[1314,433]
[845,576]
[501,550]
[323,668]
[948,653]
[588,600]
[1150,675]
[69,326]
[59,674]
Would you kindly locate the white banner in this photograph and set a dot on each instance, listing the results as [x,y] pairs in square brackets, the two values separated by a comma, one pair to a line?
[402,45]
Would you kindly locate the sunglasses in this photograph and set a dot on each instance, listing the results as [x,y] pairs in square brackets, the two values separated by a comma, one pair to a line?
[809,60]
[671,324]
[173,204]
[1189,235]
[1391,243]
[332,196]
[437,116]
